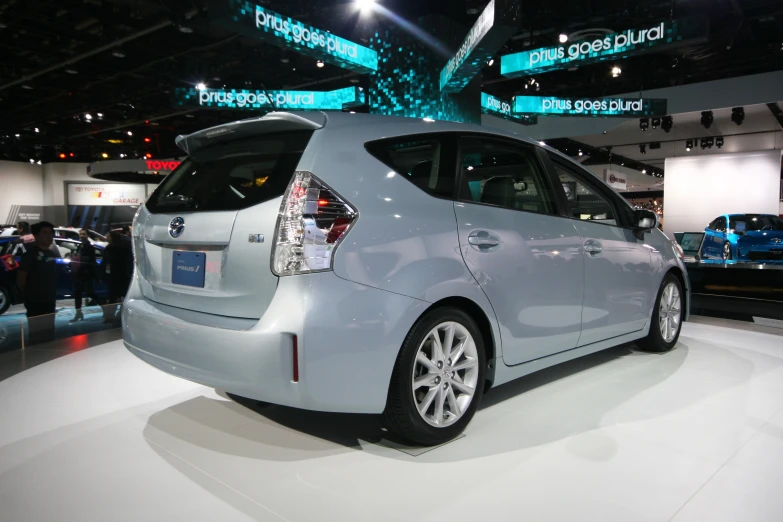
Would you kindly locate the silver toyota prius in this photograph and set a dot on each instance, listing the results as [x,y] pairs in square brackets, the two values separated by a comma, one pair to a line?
[369,264]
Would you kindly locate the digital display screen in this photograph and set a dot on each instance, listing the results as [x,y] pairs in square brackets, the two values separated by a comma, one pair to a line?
[691,242]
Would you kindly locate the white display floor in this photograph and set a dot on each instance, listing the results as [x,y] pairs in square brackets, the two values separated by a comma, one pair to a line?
[693,435]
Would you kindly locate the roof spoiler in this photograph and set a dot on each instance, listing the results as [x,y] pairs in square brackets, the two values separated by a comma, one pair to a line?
[268,124]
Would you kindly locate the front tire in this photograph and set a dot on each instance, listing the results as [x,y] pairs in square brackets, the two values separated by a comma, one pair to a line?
[727,251]
[438,379]
[666,318]
[5,300]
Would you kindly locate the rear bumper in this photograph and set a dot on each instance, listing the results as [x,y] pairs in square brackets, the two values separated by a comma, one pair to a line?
[348,338]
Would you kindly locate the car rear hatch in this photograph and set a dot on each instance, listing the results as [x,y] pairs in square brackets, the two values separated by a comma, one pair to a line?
[208,232]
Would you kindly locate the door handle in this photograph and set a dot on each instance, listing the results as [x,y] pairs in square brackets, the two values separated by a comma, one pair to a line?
[483,240]
[593,247]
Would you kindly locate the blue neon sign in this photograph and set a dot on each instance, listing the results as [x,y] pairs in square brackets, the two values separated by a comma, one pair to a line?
[496,24]
[283,31]
[618,45]
[247,99]
[503,109]
[604,107]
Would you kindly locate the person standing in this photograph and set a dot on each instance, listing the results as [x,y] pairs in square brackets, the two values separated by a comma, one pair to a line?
[83,268]
[37,282]
[118,259]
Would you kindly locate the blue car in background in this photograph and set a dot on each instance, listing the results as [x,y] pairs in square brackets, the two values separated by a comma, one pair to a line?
[744,237]
[10,255]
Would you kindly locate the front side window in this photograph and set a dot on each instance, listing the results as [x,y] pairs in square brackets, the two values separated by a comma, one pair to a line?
[584,202]
[720,224]
[417,159]
[502,174]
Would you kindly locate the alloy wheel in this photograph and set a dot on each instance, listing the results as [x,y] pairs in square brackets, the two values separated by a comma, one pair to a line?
[669,313]
[445,374]
[726,251]
[3,300]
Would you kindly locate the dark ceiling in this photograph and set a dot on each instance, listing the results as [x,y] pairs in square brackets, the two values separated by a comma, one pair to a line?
[118,60]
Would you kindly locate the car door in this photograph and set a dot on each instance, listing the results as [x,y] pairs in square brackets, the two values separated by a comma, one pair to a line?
[526,257]
[618,273]
[716,237]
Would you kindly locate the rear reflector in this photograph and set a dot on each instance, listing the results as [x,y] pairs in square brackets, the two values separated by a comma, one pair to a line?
[295,352]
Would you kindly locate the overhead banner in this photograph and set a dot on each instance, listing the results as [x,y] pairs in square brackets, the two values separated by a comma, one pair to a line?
[106,195]
[503,109]
[283,31]
[604,107]
[271,100]
[496,24]
[661,36]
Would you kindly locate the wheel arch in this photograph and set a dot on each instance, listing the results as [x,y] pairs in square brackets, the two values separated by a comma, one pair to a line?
[484,323]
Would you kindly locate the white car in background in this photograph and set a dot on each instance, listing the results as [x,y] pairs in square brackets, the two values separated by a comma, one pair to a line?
[73,233]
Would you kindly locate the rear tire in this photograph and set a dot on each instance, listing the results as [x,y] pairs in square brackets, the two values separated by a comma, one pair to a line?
[437,385]
[666,321]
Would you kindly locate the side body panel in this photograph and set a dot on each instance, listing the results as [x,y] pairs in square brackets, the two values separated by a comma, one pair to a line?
[534,277]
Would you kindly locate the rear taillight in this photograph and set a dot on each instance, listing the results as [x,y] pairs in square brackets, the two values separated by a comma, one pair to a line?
[313,220]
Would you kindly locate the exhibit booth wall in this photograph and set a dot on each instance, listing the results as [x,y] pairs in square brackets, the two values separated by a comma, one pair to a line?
[32,192]
[699,189]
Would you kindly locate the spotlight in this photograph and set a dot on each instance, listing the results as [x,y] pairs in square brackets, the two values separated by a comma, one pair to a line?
[17,135]
[719,142]
[104,155]
[710,142]
[320,63]
[738,115]
[32,160]
[644,171]
[365,4]
[644,124]
[100,115]
[580,153]
[616,71]
[148,155]
[667,123]
[88,116]
[563,38]
[36,130]
[707,119]
[201,86]
[656,122]
[62,155]
[491,62]
[703,143]
[147,140]
[130,133]
[688,145]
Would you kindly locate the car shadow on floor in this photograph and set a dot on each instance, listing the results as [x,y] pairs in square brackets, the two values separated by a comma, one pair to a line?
[549,405]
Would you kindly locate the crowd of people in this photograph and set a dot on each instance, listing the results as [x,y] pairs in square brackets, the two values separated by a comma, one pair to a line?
[37,275]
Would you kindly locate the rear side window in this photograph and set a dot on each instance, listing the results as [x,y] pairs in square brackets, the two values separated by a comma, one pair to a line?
[232,175]
[417,159]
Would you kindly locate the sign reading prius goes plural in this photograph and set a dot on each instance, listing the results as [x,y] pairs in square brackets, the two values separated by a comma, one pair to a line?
[618,45]
[611,107]
[495,25]
[283,31]
[271,100]
[503,109]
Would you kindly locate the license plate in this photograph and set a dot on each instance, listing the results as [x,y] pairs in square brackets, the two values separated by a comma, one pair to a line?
[187,268]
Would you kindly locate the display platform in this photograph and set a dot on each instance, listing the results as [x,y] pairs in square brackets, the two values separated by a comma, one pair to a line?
[692,435]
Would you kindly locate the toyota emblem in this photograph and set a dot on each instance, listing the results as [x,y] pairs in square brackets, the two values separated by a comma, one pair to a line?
[176,227]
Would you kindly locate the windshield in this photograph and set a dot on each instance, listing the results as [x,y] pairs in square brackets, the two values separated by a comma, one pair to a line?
[232,175]
[756,222]
[95,236]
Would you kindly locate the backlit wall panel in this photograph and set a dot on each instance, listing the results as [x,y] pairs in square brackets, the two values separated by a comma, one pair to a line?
[699,189]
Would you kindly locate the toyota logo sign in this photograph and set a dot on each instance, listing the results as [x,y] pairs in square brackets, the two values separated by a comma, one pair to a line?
[176,227]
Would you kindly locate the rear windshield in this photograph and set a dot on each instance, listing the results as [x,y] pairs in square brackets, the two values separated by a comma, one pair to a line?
[232,175]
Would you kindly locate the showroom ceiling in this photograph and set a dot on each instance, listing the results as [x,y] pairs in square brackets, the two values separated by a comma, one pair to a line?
[118,61]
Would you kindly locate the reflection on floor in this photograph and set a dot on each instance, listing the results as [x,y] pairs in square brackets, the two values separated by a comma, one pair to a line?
[14,324]
[693,435]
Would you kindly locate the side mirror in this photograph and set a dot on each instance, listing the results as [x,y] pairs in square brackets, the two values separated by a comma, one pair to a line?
[645,219]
